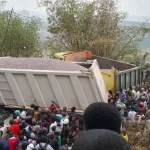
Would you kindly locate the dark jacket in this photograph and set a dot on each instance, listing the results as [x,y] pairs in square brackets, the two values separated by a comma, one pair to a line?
[4,144]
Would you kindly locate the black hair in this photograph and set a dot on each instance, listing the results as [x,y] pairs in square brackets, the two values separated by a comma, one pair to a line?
[53,128]
[70,118]
[73,109]
[24,146]
[32,105]
[100,140]
[126,114]
[53,118]
[42,132]
[133,108]
[11,122]
[102,116]
[14,117]
[110,92]
[10,134]
[21,138]
[36,108]
[43,139]
[64,141]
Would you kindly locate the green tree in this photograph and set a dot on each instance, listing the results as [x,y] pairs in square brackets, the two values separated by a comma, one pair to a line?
[93,25]
[19,35]
[140,59]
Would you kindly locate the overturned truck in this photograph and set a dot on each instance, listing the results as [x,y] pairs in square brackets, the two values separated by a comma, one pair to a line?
[26,81]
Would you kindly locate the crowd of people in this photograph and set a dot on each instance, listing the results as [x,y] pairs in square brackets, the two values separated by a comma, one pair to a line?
[133,104]
[98,128]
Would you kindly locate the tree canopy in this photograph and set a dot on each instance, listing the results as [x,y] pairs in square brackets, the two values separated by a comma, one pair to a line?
[93,25]
[19,34]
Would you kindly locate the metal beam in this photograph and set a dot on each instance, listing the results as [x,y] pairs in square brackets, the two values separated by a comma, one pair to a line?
[14,87]
[36,90]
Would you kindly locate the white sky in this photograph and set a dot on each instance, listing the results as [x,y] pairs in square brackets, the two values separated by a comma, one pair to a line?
[30,5]
[133,7]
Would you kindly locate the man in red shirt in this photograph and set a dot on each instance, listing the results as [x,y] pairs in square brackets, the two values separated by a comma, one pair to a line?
[14,128]
[142,108]
[12,142]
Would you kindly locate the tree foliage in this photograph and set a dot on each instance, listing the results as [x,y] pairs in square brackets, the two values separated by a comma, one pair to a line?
[140,59]
[19,35]
[94,25]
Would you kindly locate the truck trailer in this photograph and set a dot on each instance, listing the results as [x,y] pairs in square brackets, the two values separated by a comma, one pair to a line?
[26,81]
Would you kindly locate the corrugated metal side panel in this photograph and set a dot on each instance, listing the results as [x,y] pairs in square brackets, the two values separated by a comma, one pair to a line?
[132,78]
[6,91]
[24,87]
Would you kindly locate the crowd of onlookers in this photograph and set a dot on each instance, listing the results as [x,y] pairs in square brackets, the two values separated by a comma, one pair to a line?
[133,104]
[98,128]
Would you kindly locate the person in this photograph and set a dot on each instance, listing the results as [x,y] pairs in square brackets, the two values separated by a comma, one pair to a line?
[54,123]
[36,113]
[30,147]
[122,95]
[12,141]
[4,144]
[100,140]
[133,92]
[28,117]
[43,144]
[121,107]
[138,93]
[14,128]
[22,141]
[111,102]
[125,135]
[64,144]
[53,141]
[147,115]
[102,116]
[132,115]
[32,139]
[140,116]
[23,113]
[53,107]
[110,95]
[73,111]
[17,114]
[24,146]
[148,97]
[142,107]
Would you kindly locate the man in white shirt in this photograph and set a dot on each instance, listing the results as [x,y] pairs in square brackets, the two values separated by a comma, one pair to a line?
[138,95]
[132,115]
[54,124]
[134,94]
[23,114]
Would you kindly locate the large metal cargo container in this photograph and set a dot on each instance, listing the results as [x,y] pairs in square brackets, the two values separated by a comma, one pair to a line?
[127,78]
[126,74]
[22,87]
[116,74]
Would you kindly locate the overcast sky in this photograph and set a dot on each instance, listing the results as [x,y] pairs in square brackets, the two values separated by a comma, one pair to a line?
[133,7]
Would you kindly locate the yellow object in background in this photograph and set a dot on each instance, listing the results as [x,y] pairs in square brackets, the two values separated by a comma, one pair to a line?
[125,137]
[107,74]
[109,78]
